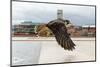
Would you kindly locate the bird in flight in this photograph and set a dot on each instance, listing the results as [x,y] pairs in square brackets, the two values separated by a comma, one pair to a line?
[59,30]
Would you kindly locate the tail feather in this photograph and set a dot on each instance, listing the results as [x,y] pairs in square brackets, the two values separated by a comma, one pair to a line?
[64,42]
[69,45]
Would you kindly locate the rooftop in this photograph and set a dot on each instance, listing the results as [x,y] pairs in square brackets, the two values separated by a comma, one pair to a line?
[93,26]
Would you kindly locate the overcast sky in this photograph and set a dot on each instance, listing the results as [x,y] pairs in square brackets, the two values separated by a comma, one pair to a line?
[43,13]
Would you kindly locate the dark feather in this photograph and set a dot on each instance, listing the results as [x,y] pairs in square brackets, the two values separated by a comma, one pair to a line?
[60,31]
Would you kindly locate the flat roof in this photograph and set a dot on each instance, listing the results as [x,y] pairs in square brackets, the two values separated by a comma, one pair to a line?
[89,26]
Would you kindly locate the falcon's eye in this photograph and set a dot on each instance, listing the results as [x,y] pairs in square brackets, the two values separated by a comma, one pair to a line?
[67,21]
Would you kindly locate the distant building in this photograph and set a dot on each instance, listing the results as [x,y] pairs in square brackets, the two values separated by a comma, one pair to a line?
[60,14]
[82,31]
[25,28]
[89,30]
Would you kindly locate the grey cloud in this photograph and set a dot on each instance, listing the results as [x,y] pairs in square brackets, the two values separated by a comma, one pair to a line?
[37,12]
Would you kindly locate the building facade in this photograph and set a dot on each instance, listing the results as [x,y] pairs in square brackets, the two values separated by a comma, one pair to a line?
[25,28]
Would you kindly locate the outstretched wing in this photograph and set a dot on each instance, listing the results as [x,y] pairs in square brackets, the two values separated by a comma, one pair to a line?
[61,35]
